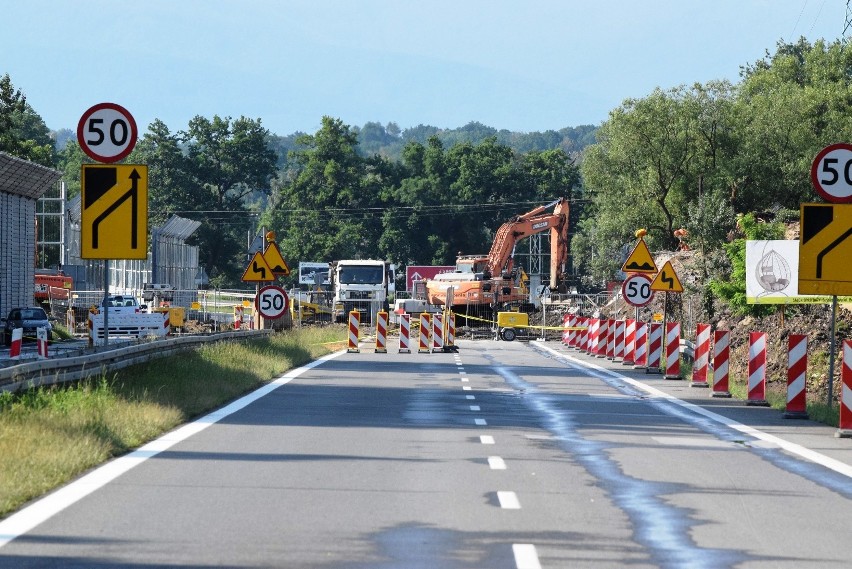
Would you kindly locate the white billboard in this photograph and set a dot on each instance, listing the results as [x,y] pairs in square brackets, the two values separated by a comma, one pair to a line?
[313,273]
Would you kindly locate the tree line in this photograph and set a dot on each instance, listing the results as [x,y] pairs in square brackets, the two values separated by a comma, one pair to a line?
[691,158]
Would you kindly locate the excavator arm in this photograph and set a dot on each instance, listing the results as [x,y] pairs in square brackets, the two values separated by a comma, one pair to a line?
[501,256]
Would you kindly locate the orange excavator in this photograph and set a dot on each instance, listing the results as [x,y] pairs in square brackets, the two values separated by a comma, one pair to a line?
[493,279]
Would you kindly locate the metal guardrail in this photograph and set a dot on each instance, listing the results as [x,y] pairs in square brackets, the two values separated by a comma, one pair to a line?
[63,370]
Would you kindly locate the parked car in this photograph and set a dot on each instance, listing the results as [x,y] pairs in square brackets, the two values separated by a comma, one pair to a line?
[125,304]
[30,319]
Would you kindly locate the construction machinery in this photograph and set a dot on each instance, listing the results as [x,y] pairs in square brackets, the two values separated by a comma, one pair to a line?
[492,280]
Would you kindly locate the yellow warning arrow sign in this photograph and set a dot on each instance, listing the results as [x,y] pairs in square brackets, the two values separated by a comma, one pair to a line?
[258,270]
[824,249]
[640,260]
[666,280]
[276,262]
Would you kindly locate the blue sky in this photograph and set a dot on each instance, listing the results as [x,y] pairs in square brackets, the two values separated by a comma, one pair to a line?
[522,65]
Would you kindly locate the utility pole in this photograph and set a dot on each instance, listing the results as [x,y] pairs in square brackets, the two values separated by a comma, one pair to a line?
[847,25]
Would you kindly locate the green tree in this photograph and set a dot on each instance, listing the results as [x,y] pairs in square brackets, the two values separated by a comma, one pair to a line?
[22,131]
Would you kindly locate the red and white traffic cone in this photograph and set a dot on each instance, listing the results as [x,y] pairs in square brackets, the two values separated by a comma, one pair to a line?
[425,333]
[640,351]
[845,425]
[672,350]
[629,342]
[702,356]
[404,333]
[41,337]
[354,330]
[17,340]
[797,371]
[655,347]
[381,332]
[721,369]
[757,369]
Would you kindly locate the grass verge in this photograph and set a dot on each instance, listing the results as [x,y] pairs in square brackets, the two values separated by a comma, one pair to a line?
[49,436]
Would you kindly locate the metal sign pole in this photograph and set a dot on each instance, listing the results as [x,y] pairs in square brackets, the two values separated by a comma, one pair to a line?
[106,303]
[831,350]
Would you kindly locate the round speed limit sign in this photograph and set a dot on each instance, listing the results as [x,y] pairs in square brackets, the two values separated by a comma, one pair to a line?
[272,302]
[107,132]
[636,290]
[831,173]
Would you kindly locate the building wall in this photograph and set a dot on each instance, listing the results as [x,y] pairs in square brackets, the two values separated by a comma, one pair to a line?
[17,251]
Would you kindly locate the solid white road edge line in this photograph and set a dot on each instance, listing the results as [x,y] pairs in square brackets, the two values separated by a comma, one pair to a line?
[799,450]
[24,520]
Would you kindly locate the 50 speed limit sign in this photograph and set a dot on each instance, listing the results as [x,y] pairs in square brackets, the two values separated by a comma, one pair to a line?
[107,132]
[272,302]
[636,290]
[831,173]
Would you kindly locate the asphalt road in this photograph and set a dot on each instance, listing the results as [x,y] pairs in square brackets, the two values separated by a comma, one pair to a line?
[504,455]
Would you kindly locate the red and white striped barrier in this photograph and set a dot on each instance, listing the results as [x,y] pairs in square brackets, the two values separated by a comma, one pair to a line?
[797,371]
[603,333]
[721,369]
[41,337]
[594,332]
[845,425]
[451,330]
[640,350]
[672,350]
[629,342]
[405,333]
[437,333]
[381,332]
[17,340]
[585,322]
[610,338]
[702,356]
[655,348]
[566,333]
[425,333]
[354,329]
[757,369]
[618,343]
[573,333]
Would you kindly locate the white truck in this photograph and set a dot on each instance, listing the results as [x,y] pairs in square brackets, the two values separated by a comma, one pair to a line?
[363,285]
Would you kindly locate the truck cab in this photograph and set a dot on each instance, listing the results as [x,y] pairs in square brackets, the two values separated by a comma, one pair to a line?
[363,285]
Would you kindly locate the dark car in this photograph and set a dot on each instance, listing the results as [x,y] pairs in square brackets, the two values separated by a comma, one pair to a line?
[30,319]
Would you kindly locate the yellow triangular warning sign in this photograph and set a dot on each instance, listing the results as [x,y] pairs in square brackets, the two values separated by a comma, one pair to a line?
[275,260]
[258,270]
[666,280]
[640,260]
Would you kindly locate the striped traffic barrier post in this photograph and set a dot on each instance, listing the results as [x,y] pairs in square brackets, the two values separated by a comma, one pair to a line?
[655,348]
[592,340]
[618,351]
[721,369]
[629,342]
[354,329]
[425,333]
[404,333]
[610,338]
[702,356]
[640,346]
[600,341]
[451,331]
[574,333]
[672,350]
[381,332]
[437,333]
[17,340]
[757,369]
[566,334]
[845,425]
[583,333]
[797,371]
[41,337]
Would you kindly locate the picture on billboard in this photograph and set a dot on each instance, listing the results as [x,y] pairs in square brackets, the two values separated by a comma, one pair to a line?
[313,274]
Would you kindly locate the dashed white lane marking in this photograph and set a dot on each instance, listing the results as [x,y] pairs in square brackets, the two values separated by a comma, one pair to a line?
[470,397]
[508,500]
[466,387]
[480,422]
[464,379]
[486,439]
[459,364]
[526,556]
[474,407]
[47,507]
[496,463]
